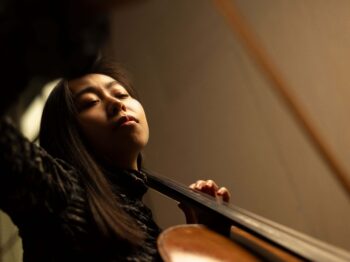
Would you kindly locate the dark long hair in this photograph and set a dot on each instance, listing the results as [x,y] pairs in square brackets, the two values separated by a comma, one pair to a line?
[60,136]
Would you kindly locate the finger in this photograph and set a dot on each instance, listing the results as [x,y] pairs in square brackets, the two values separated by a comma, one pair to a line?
[204,187]
[212,184]
[224,193]
[210,188]
[193,186]
[199,184]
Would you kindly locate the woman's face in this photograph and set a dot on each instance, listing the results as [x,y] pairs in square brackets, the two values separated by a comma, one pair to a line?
[113,123]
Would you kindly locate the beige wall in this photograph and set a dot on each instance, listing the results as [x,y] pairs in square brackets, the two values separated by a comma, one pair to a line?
[10,243]
[212,114]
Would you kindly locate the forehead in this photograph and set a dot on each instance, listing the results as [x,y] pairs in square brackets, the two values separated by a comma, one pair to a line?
[92,80]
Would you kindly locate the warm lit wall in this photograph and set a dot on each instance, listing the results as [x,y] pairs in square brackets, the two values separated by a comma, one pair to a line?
[11,246]
[212,114]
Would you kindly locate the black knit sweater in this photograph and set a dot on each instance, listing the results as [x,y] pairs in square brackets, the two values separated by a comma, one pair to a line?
[46,200]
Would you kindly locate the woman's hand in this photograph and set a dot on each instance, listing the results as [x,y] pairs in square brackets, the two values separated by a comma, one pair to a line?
[196,216]
[211,188]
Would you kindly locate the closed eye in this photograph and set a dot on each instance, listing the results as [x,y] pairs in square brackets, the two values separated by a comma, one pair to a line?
[121,95]
[88,104]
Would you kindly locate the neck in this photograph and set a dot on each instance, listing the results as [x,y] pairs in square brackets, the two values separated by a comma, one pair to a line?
[123,161]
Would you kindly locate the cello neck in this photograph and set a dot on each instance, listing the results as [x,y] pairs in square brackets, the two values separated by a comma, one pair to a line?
[289,240]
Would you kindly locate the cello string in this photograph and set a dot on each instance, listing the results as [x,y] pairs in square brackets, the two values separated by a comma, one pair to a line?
[249,41]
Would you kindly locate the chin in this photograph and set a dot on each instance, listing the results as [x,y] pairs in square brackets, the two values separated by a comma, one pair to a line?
[138,140]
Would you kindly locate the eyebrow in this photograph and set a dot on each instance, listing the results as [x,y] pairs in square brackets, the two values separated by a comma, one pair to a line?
[92,89]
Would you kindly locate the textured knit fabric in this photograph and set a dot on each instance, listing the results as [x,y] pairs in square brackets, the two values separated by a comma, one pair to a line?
[45,199]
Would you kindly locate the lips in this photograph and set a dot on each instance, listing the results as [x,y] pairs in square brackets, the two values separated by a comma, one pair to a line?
[125,119]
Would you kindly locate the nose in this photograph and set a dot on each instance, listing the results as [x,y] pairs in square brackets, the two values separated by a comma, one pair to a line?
[114,106]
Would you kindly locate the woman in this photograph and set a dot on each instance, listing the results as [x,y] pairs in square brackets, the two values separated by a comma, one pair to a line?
[79,195]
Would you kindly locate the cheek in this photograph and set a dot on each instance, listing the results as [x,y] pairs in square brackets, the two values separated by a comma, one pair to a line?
[91,124]
[92,119]
[137,108]
[146,133]
[143,119]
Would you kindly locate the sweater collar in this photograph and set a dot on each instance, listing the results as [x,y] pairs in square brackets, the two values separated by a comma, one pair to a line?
[132,183]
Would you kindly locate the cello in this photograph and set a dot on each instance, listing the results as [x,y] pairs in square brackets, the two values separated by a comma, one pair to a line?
[251,237]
